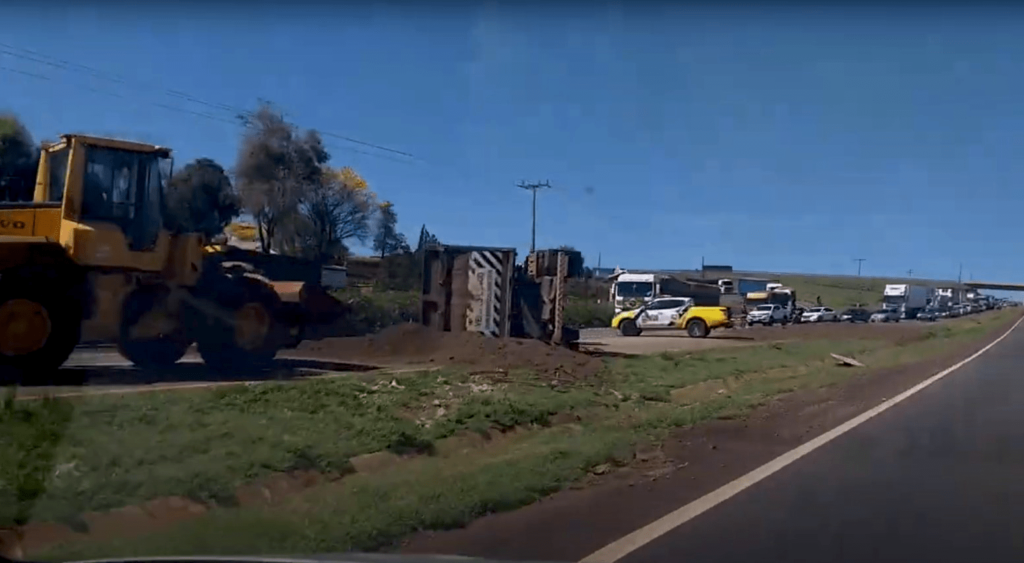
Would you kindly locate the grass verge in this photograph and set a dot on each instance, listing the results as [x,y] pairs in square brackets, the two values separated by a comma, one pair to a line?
[118,451]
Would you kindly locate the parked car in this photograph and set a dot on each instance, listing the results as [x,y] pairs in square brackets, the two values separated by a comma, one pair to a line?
[855,315]
[819,315]
[929,315]
[767,315]
[885,316]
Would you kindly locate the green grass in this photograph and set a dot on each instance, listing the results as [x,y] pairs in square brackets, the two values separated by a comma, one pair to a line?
[116,451]
[122,450]
[581,313]
[837,292]
[378,309]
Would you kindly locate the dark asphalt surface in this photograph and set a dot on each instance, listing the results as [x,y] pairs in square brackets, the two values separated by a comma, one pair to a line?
[939,477]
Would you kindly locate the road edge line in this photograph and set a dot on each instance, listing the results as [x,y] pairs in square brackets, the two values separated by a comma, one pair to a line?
[640,537]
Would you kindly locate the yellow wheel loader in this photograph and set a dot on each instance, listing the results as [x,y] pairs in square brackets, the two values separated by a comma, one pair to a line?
[89,260]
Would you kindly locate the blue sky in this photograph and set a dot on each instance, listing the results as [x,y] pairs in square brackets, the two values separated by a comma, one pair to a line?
[785,139]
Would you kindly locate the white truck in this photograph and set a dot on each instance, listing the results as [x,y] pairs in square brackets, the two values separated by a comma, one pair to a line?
[947,296]
[907,299]
[630,291]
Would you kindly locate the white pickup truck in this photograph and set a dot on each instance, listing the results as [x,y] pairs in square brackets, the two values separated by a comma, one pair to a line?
[767,314]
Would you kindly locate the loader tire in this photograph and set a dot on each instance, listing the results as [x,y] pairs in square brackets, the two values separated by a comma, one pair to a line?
[250,339]
[162,351]
[40,325]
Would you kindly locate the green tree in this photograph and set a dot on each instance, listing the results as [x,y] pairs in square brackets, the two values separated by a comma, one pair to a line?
[426,239]
[200,199]
[386,239]
[19,156]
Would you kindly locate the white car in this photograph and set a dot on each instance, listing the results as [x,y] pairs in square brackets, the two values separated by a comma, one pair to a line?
[766,315]
[818,315]
[659,313]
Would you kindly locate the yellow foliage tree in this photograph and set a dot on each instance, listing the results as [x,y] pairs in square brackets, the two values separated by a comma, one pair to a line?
[242,231]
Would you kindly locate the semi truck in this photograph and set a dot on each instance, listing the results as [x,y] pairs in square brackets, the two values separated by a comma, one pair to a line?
[944,297]
[631,291]
[907,299]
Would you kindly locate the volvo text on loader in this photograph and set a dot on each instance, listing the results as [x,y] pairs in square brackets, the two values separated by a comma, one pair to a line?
[90,260]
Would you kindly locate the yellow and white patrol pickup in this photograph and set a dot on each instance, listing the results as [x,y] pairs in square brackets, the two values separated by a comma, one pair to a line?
[672,313]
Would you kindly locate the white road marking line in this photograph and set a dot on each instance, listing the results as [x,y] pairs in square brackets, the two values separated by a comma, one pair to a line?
[642,536]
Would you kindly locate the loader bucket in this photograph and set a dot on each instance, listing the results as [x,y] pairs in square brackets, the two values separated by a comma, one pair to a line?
[310,308]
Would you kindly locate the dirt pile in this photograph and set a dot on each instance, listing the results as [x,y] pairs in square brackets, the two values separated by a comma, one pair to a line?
[415,344]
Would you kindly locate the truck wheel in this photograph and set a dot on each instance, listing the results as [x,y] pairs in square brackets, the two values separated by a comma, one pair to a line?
[243,333]
[629,327]
[162,351]
[697,328]
[771,322]
[40,325]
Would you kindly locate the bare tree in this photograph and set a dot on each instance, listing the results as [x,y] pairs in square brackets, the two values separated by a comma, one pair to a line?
[277,167]
[335,210]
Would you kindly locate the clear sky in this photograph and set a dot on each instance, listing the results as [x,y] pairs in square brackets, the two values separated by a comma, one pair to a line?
[782,139]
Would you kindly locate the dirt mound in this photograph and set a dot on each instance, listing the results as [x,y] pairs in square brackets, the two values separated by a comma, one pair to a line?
[414,344]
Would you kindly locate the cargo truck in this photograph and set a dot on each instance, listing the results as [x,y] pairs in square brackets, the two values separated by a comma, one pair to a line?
[907,299]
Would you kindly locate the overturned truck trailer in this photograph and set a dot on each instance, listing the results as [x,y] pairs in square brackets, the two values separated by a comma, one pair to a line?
[482,289]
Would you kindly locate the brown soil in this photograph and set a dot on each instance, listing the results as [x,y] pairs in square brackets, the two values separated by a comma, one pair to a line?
[415,344]
[571,524]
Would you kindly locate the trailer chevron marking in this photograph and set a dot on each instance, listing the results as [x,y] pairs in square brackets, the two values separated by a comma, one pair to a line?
[484,312]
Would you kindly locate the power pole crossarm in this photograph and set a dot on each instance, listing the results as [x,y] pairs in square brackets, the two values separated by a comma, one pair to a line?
[533,226]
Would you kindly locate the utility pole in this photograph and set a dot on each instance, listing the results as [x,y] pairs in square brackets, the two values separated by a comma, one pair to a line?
[533,228]
[859,261]
[910,273]
[960,276]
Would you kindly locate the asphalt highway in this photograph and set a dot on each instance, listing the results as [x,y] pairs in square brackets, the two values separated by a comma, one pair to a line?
[939,477]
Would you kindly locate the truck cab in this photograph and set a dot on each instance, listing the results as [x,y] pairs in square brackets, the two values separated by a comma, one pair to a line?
[630,291]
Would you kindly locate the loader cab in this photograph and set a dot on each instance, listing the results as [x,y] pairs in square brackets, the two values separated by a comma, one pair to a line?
[111,196]
[125,188]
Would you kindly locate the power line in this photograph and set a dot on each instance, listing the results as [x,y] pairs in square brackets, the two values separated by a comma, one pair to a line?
[235,122]
[61,64]
[533,228]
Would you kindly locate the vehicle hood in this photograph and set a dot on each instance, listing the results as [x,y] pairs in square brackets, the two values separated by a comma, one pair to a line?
[324,558]
[630,314]
[759,313]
